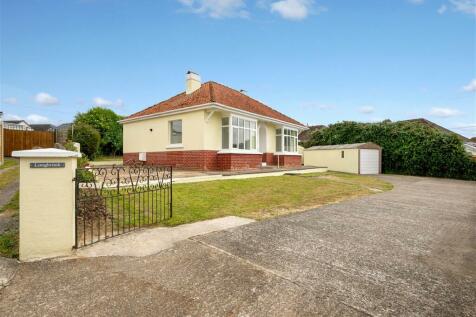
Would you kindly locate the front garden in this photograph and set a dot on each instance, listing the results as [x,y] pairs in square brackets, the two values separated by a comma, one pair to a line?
[257,198]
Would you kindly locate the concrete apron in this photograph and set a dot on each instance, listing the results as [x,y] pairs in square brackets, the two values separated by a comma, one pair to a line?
[195,179]
[149,241]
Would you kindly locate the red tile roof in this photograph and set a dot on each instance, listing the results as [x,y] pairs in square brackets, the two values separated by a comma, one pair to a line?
[215,92]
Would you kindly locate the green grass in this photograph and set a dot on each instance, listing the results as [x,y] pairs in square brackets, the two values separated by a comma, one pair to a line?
[9,244]
[261,198]
[13,205]
[8,162]
[9,176]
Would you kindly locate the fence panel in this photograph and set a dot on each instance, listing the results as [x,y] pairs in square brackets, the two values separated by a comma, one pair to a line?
[16,140]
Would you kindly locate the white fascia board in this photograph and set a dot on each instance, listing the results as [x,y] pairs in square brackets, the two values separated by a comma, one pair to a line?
[216,106]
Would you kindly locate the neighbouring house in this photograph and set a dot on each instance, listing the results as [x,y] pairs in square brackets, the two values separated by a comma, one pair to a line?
[306,135]
[21,125]
[469,145]
[62,132]
[358,158]
[43,127]
[210,126]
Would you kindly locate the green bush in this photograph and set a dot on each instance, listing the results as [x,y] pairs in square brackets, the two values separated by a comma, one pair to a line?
[408,148]
[88,138]
[105,121]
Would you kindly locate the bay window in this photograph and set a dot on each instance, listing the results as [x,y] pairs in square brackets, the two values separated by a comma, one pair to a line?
[286,140]
[238,134]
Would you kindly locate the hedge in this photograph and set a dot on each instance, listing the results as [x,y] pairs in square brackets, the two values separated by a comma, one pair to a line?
[408,148]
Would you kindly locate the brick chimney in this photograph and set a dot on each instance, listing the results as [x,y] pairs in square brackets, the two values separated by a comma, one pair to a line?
[192,82]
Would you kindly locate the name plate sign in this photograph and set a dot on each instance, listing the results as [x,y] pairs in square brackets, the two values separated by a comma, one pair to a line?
[47,165]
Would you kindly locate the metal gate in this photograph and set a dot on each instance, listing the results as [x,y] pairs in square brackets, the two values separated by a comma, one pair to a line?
[112,200]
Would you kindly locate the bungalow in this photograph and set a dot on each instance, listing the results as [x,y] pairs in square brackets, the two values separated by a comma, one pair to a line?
[211,127]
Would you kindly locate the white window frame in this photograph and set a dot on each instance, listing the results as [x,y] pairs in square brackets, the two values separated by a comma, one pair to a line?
[174,145]
[283,151]
[230,135]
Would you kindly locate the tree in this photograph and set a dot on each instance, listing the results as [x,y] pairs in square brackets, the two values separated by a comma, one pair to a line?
[407,147]
[105,121]
[88,137]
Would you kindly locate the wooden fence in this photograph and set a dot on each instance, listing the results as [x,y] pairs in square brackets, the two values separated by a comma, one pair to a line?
[15,140]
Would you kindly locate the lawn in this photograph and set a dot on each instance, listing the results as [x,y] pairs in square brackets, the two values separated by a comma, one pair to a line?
[261,198]
[8,162]
[8,176]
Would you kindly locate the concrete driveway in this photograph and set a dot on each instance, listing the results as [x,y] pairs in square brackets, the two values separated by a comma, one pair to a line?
[410,251]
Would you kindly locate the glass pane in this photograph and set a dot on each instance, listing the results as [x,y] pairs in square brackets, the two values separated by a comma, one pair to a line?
[176,132]
[253,125]
[278,143]
[247,139]
[235,138]
[241,123]
[278,131]
[225,121]
[253,140]
[224,137]
[286,144]
[247,124]
[241,140]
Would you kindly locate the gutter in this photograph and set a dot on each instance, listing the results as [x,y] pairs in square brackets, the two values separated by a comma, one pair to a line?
[214,106]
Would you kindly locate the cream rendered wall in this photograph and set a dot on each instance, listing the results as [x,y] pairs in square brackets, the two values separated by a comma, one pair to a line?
[212,135]
[139,138]
[46,208]
[333,161]
[270,137]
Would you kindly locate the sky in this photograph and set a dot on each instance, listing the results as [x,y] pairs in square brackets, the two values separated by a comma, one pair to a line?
[319,62]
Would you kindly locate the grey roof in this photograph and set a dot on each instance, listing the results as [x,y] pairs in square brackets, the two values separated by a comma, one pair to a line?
[42,127]
[64,126]
[368,145]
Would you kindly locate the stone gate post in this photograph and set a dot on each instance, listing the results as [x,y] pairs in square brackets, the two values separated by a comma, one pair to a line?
[47,198]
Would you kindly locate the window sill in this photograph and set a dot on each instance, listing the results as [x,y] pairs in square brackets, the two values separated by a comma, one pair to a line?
[288,153]
[235,151]
[174,146]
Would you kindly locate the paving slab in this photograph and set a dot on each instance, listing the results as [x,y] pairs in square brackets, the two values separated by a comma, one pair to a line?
[153,240]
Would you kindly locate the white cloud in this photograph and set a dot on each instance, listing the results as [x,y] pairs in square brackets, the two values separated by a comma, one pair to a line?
[217,8]
[367,109]
[44,98]
[464,6]
[10,101]
[101,102]
[471,86]
[444,112]
[36,118]
[467,128]
[442,9]
[31,118]
[293,9]
[9,116]
[417,2]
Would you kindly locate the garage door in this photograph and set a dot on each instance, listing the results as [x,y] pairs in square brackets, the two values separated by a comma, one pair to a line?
[369,161]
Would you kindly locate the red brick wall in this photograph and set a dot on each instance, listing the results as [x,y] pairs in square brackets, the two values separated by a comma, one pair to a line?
[202,160]
[211,160]
[233,161]
[288,160]
[268,158]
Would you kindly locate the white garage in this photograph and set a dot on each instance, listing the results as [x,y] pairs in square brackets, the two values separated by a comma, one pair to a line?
[358,158]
